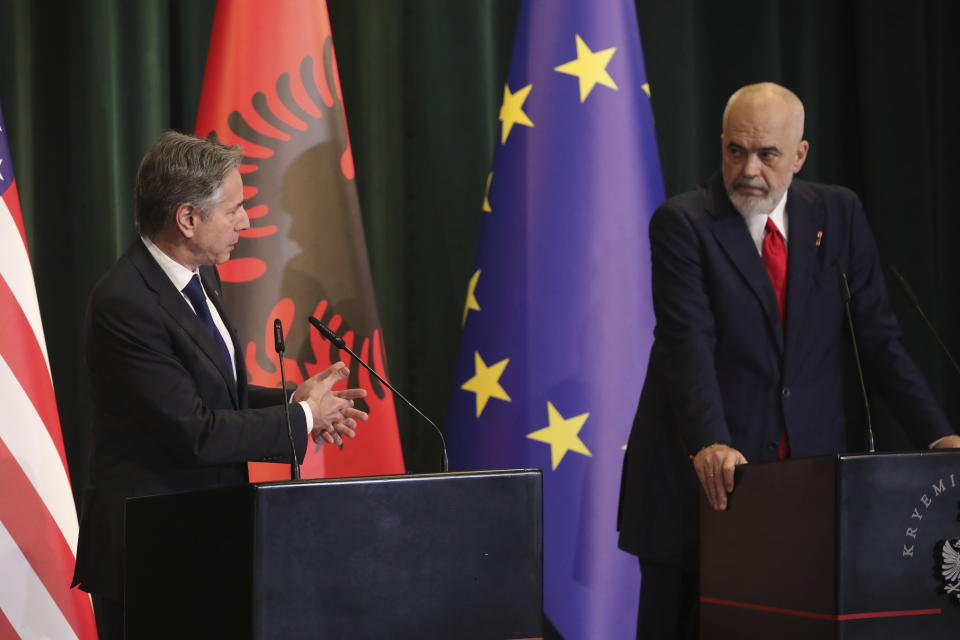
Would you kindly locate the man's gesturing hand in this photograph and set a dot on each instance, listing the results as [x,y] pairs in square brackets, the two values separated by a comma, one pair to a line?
[714,466]
[333,412]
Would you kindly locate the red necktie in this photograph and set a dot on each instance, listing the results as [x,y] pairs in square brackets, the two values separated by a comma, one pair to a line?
[775,260]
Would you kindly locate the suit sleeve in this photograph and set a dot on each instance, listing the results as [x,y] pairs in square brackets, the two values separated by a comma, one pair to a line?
[148,374]
[888,367]
[685,330]
[259,397]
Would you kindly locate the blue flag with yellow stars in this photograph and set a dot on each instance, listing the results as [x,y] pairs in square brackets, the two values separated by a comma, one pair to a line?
[558,320]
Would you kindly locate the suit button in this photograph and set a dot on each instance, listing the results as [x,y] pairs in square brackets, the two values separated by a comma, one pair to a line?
[785,392]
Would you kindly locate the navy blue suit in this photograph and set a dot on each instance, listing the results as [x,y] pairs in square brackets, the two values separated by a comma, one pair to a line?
[724,370]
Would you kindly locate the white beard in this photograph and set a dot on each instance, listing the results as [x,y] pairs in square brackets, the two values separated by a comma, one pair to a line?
[749,205]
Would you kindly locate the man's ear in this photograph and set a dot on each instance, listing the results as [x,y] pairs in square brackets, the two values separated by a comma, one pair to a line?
[187,218]
[802,150]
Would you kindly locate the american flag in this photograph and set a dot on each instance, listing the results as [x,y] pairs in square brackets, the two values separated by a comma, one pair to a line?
[38,520]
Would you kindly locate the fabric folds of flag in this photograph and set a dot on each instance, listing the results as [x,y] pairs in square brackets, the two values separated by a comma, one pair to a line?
[38,519]
[558,321]
[272,86]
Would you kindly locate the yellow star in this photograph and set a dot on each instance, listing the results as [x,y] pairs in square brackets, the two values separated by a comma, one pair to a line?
[511,112]
[471,304]
[590,67]
[562,434]
[646,88]
[486,194]
[486,382]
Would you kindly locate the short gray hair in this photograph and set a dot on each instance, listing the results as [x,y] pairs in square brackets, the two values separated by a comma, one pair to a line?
[180,169]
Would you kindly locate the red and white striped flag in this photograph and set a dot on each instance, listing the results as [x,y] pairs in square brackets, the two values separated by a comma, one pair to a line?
[38,520]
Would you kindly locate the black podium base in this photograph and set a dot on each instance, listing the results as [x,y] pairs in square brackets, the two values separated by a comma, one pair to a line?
[434,556]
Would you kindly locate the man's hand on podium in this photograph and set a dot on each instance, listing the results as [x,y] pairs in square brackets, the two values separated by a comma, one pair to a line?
[950,442]
[714,466]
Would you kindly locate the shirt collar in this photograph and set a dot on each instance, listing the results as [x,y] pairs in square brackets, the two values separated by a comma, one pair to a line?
[757,222]
[779,215]
[179,275]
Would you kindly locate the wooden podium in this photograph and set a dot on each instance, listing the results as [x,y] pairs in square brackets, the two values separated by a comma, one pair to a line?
[847,547]
[455,555]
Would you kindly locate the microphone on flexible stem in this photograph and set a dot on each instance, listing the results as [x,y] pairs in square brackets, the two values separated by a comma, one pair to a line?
[845,292]
[339,343]
[278,345]
[916,305]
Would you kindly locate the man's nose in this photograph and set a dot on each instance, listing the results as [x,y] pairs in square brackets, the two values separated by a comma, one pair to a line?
[244,219]
[752,166]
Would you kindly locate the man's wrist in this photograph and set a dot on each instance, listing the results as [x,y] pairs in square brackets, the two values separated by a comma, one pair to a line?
[715,444]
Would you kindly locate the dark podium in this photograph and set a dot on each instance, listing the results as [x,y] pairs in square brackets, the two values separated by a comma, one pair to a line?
[846,547]
[454,555]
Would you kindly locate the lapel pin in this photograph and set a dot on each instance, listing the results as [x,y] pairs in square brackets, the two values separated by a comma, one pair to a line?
[819,237]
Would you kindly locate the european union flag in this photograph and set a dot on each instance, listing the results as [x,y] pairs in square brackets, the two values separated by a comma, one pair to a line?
[558,320]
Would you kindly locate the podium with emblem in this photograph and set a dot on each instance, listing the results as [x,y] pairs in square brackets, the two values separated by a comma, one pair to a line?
[849,547]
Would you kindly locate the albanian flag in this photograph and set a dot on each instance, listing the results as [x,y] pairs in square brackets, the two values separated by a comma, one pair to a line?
[271,86]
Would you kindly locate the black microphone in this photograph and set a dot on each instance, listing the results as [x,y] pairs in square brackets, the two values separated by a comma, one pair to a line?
[279,346]
[916,305]
[339,343]
[845,293]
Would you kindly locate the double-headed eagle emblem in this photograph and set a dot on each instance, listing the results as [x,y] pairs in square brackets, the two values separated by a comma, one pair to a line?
[951,567]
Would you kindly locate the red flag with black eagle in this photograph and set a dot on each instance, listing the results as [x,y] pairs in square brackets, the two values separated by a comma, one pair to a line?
[272,86]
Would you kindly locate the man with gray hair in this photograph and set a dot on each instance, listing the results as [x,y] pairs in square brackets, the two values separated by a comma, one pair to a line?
[172,407]
[749,347]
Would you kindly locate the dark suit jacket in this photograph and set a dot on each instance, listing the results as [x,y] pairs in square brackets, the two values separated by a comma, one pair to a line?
[168,415]
[723,369]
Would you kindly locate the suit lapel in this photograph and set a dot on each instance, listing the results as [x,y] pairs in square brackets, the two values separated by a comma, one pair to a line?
[731,232]
[174,303]
[805,217]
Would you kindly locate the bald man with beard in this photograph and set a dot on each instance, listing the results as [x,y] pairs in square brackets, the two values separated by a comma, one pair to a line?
[748,360]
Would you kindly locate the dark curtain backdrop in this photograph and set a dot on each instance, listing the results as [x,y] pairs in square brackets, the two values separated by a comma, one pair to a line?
[86,87]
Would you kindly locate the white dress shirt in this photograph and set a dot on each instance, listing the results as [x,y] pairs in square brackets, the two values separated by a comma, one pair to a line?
[757,223]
